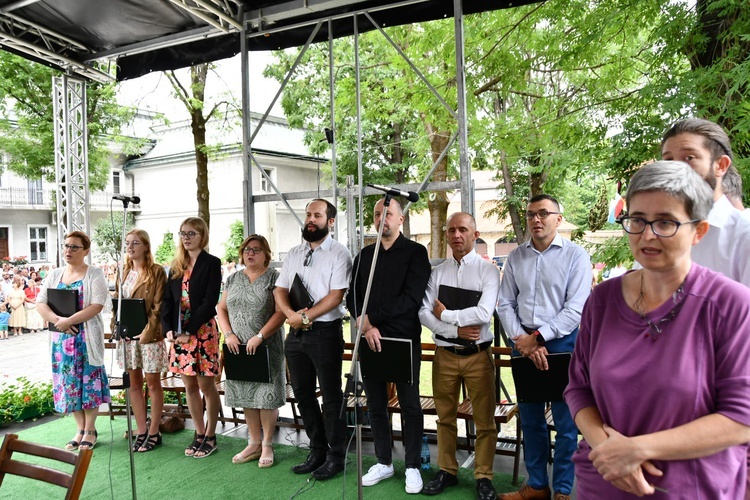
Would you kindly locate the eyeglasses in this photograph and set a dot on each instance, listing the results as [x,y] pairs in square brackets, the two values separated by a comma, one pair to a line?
[308,258]
[255,250]
[189,235]
[543,214]
[132,243]
[72,248]
[665,228]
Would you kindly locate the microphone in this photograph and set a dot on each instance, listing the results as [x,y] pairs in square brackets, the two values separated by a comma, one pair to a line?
[135,200]
[409,195]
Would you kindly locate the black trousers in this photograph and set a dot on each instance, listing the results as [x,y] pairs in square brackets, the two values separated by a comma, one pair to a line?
[411,411]
[316,354]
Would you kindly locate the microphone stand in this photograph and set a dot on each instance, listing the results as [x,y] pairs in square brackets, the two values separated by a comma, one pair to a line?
[352,384]
[118,336]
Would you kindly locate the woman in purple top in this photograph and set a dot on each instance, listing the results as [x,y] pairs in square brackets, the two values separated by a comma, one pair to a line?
[660,374]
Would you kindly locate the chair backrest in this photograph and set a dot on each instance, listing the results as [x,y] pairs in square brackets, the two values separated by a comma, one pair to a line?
[73,481]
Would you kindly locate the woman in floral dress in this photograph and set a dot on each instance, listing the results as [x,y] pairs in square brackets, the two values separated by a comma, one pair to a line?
[79,381]
[248,315]
[188,318]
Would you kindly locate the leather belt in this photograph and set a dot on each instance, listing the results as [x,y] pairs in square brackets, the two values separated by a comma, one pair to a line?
[468,351]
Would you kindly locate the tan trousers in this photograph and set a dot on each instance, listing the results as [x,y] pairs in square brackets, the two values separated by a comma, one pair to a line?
[478,372]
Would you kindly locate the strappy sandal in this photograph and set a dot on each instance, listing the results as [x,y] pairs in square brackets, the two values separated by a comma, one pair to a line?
[73,445]
[88,445]
[139,440]
[240,459]
[195,445]
[135,433]
[264,463]
[205,448]
[150,443]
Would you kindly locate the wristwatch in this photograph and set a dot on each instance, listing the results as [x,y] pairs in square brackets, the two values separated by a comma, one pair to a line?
[539,338]
[262,338]
[305,320]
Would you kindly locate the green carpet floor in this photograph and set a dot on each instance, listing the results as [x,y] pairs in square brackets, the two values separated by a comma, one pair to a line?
[166,473]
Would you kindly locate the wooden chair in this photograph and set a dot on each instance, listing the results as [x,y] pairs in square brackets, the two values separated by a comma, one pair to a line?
[73,481]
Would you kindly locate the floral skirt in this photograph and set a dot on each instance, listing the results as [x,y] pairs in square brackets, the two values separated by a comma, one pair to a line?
[152,357]
[76,384]
[199,355]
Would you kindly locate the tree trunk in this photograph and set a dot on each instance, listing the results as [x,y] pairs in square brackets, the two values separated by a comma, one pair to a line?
[439,205]
[515,216]
[198,75]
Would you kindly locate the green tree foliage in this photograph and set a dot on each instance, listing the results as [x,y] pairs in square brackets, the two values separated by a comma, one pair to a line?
[108,234]
[236,237]
[27,124]
[165,252]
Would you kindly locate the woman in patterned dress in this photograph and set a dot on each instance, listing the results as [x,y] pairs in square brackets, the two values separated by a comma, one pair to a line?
[79,381]
[16,299]
[248,315]
[34,321]
[187,317]
[145,352]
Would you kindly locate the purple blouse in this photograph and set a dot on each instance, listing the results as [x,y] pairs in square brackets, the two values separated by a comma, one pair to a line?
[699,365]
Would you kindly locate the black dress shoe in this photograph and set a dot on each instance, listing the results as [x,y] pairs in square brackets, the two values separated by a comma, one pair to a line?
[441,481]
[485,490]
[309,465]
[327,471]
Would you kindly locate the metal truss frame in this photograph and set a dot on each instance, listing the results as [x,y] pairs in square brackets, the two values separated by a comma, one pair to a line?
[71,155]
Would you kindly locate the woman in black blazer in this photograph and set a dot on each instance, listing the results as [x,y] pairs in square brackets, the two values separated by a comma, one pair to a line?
[187,315]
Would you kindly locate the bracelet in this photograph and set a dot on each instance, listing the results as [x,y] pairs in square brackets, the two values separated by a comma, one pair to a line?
[230,333]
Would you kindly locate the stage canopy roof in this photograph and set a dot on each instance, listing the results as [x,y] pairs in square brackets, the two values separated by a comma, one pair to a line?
[85,37]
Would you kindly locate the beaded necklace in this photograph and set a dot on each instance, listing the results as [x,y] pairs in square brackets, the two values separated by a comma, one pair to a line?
[656,328]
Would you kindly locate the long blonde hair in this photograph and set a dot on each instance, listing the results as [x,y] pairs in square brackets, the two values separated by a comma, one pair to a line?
[182,259]
[148,266]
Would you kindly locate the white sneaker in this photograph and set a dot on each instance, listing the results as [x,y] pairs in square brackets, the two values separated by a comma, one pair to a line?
[413,480]
[377,473]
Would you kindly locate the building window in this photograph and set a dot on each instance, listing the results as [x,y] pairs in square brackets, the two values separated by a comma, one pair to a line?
[265,186]
[116,182]
[37,243]
[36,195]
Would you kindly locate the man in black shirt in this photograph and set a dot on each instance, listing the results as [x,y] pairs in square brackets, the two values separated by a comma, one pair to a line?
[399,282]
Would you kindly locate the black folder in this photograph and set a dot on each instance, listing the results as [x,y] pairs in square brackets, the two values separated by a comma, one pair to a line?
[248,367]
[541,386]
[455,299]
[394,362]
[133,318]
[63,302]
[299,297]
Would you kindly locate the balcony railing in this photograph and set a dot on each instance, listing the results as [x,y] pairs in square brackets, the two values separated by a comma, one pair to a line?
[43,199]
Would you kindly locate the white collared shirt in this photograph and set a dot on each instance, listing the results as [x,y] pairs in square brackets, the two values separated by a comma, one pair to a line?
[329,269]
[471,273]
[726,246]
[544,290]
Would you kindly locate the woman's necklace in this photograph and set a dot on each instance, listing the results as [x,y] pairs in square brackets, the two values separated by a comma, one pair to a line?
[655,328]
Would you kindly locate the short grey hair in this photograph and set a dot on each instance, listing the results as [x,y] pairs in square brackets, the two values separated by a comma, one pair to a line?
[677,179]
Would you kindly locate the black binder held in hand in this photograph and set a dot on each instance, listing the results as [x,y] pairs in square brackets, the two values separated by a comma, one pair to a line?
[299,297]
[394,362]
[133,318]
[248,367]
[63,302]
[541,386]
[455,299]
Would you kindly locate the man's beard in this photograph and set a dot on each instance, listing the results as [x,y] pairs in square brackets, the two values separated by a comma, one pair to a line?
[316,234]
[711,178]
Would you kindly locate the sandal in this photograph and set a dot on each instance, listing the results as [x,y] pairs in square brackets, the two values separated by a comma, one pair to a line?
[240,459]
[264,463]
[205,448]
[73,445]
[139,440]
[88,445]
[197,442]
[135,433]
[150,443]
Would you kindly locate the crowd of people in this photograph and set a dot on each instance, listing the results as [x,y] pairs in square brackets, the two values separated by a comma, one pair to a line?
[658,375]
[19,290]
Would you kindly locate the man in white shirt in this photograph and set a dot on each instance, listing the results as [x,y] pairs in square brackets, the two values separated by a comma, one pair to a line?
[546,282]
[705,147]
[463,338]
[732,186]
[315,344]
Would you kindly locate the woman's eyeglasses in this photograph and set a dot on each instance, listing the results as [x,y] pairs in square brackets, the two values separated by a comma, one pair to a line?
[189,235]
[72,248]
[249,250]
[132,243]
[666,228]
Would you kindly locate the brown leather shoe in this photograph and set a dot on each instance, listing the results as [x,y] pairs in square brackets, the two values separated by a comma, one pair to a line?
[527,493]
[562,496]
